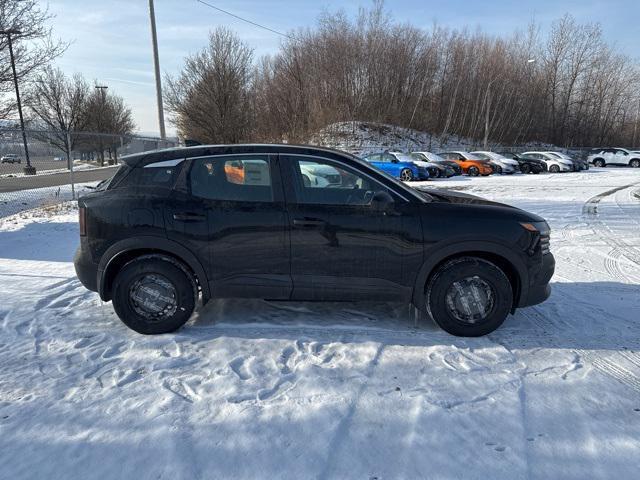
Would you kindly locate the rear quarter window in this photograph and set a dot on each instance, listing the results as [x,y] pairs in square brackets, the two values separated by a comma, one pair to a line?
[148,176]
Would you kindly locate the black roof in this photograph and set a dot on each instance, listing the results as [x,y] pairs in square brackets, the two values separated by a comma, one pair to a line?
[145,158]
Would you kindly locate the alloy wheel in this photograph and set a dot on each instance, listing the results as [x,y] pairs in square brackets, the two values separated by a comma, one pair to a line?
[470,300]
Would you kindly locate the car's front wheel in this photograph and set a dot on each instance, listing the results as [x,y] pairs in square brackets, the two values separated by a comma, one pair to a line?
[473,171]
[469,296]
[599,162]
[406,175]
[554,169]
[524,168]
[154,294]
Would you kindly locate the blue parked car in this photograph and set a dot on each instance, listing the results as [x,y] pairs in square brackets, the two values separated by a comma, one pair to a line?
[399,165]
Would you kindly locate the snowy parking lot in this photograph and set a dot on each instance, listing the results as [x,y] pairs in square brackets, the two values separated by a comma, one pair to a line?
[252,389]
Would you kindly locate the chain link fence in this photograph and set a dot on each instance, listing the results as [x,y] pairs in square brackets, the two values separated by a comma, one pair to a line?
[60,165]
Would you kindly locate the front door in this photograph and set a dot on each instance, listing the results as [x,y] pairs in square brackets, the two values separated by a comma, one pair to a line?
[341,247]
[231,213]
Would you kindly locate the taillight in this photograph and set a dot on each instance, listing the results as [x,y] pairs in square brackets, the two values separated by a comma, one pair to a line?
[83,221]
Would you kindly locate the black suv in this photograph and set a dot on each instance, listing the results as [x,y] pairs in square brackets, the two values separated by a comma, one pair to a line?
[286,222]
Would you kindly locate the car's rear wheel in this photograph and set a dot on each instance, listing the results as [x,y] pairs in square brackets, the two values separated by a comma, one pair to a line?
[406,175]
[154,294]
[524,168]
[473,171]
[554,168]
[635,163]
[598,162]
[469,297]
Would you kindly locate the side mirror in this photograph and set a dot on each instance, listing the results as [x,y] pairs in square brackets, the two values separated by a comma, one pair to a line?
[381,201]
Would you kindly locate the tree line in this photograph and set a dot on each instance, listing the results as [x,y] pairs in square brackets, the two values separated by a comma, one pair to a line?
[567,86]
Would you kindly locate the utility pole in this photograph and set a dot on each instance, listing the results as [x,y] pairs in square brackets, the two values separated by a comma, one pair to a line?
[28,169]
[156,67]
[103,100]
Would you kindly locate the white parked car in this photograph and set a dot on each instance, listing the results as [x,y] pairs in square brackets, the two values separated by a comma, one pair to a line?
[316,175]
[500,163]
[554,163]
[578,164]
[601,157]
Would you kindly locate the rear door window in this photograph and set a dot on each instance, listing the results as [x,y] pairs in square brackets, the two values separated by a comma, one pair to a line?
[241,178]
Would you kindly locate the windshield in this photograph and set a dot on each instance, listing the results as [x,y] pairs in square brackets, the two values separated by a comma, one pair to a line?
[403,157]
[471,156]
[433,157]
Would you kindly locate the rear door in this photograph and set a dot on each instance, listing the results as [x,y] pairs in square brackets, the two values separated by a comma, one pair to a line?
[342,248]
[230,212]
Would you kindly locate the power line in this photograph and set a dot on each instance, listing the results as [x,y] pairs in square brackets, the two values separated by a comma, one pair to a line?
[244,19]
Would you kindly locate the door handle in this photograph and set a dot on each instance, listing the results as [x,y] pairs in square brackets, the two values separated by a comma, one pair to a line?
[299,222]
[189,217]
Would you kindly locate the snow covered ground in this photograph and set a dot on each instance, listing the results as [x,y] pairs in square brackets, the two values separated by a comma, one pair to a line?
[293,390]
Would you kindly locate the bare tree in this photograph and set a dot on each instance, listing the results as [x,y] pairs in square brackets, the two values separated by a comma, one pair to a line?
[111,122]
[59,105]
[210,99]
[34,47]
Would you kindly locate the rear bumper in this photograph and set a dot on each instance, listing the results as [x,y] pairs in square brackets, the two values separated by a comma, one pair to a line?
[539,289]
[86,270]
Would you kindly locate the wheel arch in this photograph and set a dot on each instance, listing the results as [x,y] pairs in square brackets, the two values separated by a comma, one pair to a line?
[126,250]
[502,257]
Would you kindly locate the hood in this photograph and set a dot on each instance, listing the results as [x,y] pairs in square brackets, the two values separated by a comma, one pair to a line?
[422,163]
[464,199]
[452,196]
[509,161]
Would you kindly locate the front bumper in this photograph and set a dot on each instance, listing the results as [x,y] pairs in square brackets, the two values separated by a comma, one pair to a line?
[539,289]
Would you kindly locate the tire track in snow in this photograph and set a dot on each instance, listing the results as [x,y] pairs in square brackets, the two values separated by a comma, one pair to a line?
[606,363]
[611,368]
[622,249]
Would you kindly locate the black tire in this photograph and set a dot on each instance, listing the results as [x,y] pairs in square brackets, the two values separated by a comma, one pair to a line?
[524,168]
[406,175]
[170,279]
[473,172]
[498,169]
[445,300]
[599,162]
[554,169]
[435,173]
[635,163]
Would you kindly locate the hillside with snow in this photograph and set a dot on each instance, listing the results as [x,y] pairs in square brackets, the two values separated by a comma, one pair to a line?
[366,137]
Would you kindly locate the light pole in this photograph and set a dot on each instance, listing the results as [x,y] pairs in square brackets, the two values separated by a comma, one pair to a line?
[156,67]
[28,169]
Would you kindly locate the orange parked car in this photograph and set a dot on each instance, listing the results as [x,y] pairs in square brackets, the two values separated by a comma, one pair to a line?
[470,164]
[235,172]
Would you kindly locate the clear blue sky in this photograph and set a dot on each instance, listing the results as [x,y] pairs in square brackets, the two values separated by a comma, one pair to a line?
[111,38]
